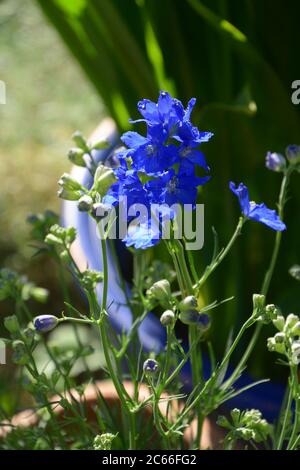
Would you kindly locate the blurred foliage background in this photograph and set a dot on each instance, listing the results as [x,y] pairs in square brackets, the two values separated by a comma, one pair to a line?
[238,57]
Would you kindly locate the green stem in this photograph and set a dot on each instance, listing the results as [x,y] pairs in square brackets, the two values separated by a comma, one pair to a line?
[123,396]
[269,274]
[219,258]
[295,387]
[285,420]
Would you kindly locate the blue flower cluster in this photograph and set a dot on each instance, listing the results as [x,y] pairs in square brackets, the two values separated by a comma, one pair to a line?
[159,168]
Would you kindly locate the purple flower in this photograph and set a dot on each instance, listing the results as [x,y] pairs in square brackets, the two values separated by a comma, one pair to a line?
[259,212]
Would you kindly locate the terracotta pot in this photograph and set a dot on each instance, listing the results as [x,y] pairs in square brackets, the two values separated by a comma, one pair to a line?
[27,418]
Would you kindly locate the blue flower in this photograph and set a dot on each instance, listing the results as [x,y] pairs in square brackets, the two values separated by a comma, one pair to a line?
[150,155]
[259,212]
[171,137]
[171,188]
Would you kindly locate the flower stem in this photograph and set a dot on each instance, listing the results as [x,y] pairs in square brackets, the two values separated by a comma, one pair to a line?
[269,274]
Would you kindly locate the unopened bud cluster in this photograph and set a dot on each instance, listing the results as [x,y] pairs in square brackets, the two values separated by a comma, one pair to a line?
[246,425]
[287,340]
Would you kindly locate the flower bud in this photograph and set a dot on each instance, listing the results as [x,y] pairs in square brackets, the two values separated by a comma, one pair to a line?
[258,301]
[296,352]
[296,329]
[167,318]
[20,355]
[39,294]
[188,303]
[44,323]
[76,156]
[293,153]
[85,203]
[193,317]
[291,321]
[279,322]
[53,240]
[279,338]
[68,195]
[79,140]
[69,183]
[103,179]
[295,272]
[103,441]
[150,366]
[11,324]
[275,161]
[160,290]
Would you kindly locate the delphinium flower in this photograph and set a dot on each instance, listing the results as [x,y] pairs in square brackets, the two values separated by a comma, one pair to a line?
[259,212]
[159,168]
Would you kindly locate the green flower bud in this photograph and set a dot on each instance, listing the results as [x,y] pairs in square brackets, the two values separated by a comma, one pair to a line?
[103,179]
[188,303]
[279,322]
[296,329]
[20,355]
[167,318]
[258,301]
[279,338]
[235,415]
[246,434]
[295,272]
[68,195]
[76,156]
[79,140]
[69,183]
[53,240]
[11,324]
[39,294]
[296,352]
[291,321]
[271,344]
[85,203]
[103,441]
[161,291]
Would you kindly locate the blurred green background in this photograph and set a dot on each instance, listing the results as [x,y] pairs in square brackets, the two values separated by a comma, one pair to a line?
[238,57]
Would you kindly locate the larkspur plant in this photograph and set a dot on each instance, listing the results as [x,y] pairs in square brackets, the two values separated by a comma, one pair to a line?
[162,167]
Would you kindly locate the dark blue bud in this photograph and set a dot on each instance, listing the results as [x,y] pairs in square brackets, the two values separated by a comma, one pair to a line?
[293,153]
[150,366]
[44,323]
[193,317]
